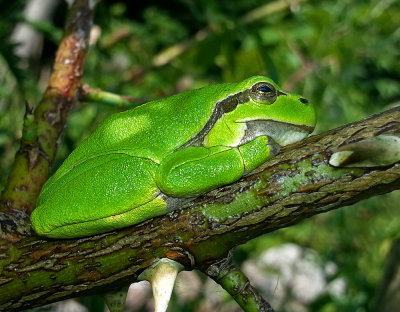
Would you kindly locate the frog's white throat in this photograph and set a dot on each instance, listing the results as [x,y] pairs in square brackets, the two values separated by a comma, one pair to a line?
[282,133]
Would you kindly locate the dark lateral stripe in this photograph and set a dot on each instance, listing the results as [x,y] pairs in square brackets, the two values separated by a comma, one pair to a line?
[221,107]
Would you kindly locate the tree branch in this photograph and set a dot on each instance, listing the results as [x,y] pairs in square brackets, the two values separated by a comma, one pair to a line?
[295,185]
[34,159]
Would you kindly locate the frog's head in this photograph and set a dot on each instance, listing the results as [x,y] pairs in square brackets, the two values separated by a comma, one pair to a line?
[268,110]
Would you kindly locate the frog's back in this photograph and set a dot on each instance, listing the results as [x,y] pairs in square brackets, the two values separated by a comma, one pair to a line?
[154,129]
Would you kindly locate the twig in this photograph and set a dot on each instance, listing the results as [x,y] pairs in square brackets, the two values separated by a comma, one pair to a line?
[89,94]
[233,280]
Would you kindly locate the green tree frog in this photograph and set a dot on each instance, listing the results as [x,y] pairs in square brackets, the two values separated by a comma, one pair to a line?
[149,160]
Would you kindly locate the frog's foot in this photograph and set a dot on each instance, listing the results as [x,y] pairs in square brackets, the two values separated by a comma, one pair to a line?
[115,300]
[161,274]
[382,150]
[235,282]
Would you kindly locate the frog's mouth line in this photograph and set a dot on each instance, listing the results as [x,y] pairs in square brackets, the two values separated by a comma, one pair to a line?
[282,133]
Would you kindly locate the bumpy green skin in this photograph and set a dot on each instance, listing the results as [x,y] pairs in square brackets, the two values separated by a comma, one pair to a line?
[177,147]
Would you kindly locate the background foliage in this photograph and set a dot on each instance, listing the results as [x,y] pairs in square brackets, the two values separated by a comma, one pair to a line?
[341,55]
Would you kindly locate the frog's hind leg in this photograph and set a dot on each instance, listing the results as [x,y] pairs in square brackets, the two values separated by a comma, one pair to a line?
[130,191]
[109,192]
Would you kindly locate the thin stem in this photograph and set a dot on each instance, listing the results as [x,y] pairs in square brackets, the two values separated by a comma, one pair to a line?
[235,282]
[89,94]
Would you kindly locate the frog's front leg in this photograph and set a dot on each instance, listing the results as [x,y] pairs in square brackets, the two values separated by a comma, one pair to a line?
[257,152]
[195,170]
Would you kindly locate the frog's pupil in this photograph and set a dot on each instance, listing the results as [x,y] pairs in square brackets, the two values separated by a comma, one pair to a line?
[264,88]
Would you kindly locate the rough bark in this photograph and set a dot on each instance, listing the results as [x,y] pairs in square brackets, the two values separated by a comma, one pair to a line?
[295,185]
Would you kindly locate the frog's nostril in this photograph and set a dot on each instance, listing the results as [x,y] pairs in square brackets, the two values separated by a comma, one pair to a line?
[303,100]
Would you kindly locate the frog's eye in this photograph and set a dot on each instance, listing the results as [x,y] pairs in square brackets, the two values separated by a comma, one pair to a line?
[263,92]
